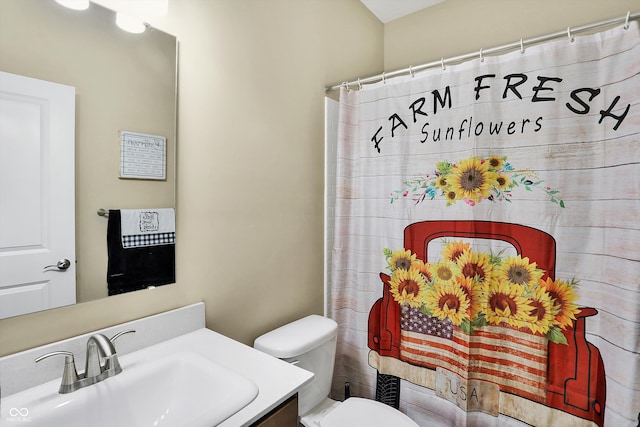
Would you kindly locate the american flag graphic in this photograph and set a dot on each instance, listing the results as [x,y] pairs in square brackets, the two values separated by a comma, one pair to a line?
[513,359]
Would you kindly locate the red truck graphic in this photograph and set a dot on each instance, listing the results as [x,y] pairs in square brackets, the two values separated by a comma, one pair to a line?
[574,381]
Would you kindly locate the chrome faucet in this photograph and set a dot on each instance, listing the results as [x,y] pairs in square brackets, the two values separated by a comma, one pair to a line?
[99,347]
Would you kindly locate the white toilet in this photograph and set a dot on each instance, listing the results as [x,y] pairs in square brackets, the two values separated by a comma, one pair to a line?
[310,343]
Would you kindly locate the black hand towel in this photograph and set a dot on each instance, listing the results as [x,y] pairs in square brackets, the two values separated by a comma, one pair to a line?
[132,269]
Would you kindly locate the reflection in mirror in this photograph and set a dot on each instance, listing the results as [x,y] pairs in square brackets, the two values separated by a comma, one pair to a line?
[123,82]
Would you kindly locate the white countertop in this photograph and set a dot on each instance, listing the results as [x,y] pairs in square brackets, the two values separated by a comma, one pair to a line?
[161,335]
[276,380]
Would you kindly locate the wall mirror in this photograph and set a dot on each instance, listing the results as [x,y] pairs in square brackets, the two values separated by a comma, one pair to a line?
[123,82]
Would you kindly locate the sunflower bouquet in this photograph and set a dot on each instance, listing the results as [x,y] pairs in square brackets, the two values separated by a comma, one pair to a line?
[473,180]
[474,289]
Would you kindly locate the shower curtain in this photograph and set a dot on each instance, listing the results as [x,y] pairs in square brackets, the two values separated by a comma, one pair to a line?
[486,259]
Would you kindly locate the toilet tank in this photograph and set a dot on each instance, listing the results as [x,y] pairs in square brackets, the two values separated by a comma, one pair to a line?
[310,343]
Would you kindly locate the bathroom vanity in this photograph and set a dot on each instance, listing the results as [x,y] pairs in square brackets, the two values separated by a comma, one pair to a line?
[175,372]
[285,415]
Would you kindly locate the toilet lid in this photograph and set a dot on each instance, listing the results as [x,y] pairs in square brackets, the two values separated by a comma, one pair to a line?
[357,412]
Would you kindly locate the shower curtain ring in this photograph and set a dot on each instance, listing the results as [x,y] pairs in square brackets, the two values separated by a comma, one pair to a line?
[384,78]
[481,58]
[626,21]
[359,84]
[571,38]
[521,46]
[346,86]
[442,63]
[411,70]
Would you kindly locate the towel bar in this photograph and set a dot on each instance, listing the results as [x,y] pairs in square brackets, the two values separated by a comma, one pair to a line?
[103,212]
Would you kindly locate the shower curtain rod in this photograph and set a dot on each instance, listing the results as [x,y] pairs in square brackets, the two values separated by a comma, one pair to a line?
[569,32]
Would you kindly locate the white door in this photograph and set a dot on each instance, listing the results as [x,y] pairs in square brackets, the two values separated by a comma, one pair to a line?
[37,195]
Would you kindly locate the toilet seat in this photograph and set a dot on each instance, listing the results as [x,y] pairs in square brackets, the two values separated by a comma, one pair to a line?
[358,412]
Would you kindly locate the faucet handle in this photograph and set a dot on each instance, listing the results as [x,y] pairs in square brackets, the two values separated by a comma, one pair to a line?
[112,364]
[121,333]
[69,375]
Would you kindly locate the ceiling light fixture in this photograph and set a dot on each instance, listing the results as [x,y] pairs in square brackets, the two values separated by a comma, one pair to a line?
[140,8]
[132,14]
[74,4]
[130,23]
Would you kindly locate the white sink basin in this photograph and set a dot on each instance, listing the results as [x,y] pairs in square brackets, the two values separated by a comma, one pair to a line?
[182,390]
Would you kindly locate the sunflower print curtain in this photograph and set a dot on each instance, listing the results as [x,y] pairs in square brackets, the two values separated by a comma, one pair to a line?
[486,258]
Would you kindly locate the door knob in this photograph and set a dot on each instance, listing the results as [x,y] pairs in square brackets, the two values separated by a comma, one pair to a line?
[63,264]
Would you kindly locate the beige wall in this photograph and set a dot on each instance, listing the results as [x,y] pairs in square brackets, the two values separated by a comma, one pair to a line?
[250,158]
[458,27]
[250,198]
[250,165]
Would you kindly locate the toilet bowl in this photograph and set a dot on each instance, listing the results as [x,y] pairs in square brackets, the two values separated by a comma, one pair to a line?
[310,343]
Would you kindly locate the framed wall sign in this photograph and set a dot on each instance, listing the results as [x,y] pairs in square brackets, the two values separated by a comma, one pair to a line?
[143,156]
